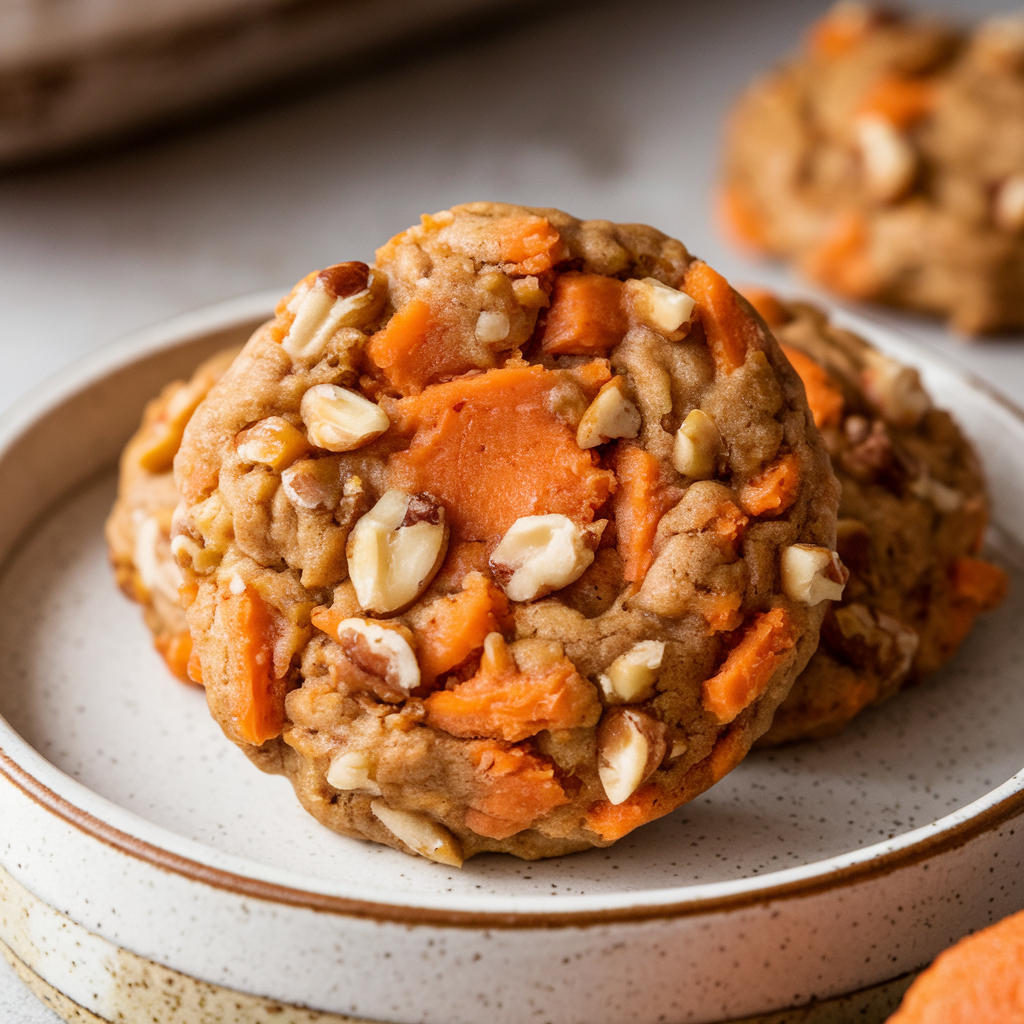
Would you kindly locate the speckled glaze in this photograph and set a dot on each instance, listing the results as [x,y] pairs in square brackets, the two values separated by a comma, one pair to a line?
[134,833]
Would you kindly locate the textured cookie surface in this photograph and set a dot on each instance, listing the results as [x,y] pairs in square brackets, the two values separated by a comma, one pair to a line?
[482,544]
[139,527]
[912,518]
[887,160]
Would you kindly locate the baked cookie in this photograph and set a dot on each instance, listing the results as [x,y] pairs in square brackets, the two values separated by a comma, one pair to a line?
[912,519]
[887,160]
[139,526]
[506,543]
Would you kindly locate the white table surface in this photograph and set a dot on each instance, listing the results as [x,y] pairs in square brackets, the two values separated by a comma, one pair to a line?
[604,109]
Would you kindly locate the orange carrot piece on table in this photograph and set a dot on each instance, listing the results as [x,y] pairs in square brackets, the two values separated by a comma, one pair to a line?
[823,394]
[730,331]
[491,449]
[514,787]
[900,100]
[257,697]
[503,703]
[639,504]
[585,317]
[459,624]
[772,490]
[750,665]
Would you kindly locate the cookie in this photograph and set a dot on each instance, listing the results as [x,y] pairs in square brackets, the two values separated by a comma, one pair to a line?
[887,161]
[505,543]
[139,526]
[912,519]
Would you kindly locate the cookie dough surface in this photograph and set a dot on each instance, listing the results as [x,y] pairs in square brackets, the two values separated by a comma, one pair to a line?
[912,519]
[481,544]
[887,160]
[139,527]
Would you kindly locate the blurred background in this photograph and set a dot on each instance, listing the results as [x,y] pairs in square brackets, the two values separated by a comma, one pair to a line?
[158,157]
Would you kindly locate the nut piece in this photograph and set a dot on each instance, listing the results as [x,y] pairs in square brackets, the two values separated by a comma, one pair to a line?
[492,327]
[894,390]
[630,677]
[313,484]
[273,442]
[352,769]
[345,295]
[630,746]
[610,414]
[381,651]
[890,163]
[696,447]
[1009,204]
[395,549]
[945,499]
[341,420]
[421,834]
[539,554]
[159,574]
[812,574]
[661,307]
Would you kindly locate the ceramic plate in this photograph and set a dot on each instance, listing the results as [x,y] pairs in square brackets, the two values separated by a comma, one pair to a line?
[809,872]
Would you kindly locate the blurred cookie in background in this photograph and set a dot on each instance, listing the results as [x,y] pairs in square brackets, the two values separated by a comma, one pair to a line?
[886,160]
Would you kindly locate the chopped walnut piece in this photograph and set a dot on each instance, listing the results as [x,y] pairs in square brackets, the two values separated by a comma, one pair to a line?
[631,676]
[812,574]
[630,746]
[612,414]
[421,834]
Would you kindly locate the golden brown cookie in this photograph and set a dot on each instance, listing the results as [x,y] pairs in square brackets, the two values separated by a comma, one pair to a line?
[482,545]
[138,529]
[912,519]
[887,160]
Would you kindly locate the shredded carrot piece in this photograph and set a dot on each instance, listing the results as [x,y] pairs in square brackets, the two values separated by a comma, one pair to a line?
[257,698]
[504,703]
[639,504]
[585,317]
[721,611]
[458,625]
[774,489]
[492,450]
[613,821]
[824,396]
[411,349]
[728,751]
[750,665]
[742,221]
[839,31]
[729,329]
[326,620]
[900,100]
[176,650]
[842,260]
[195,668]
[513,787]
[530,243]
[982,583]
[767,303]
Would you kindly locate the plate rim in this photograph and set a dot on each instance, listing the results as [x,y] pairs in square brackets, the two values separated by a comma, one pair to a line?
[55,791]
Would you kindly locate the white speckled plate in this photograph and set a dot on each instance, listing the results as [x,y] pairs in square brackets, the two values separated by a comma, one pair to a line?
[807,873]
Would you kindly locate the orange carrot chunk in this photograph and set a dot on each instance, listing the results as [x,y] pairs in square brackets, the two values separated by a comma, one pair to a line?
[176,650]
[980,582]
[531,244]
[750,665]
[613,821]
[728,328]
[585,317]
[513,788]
[639,504]
[842,260]
[823,394]
[492,450]
[257,698]
[774,489]
[742,221]
[504,703]
[900,100]
[842,29]
[772,311]
[459,624]
[406,347]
